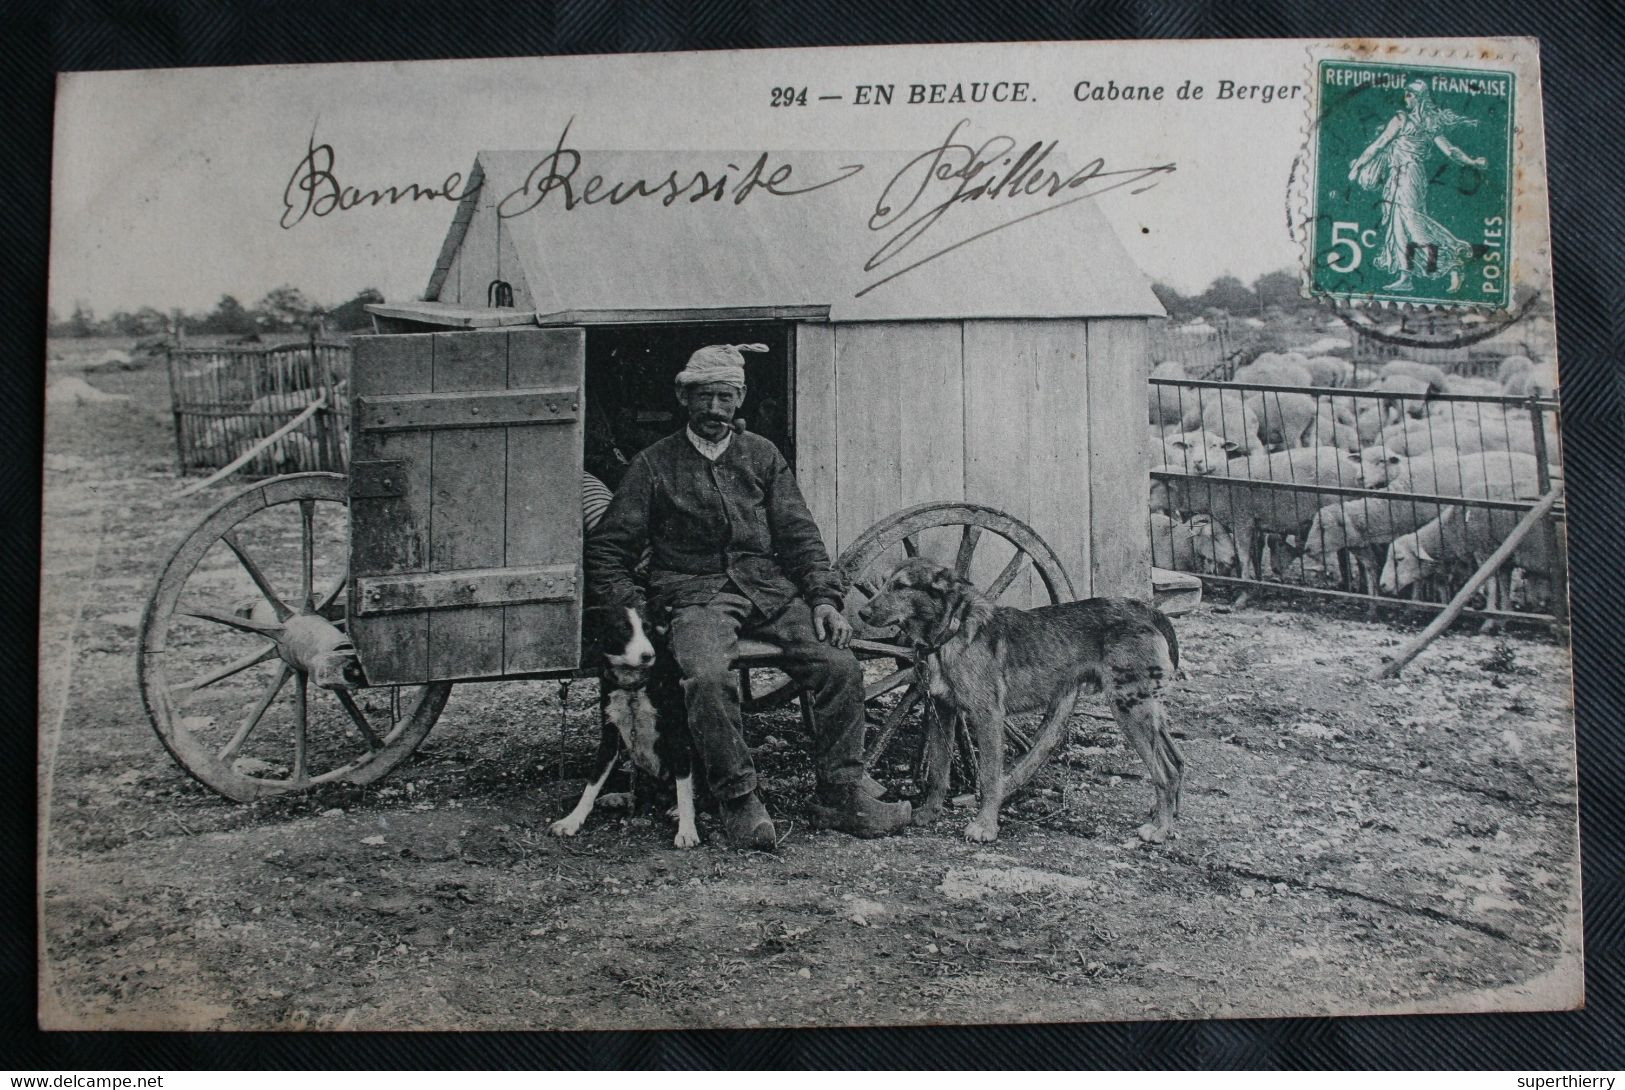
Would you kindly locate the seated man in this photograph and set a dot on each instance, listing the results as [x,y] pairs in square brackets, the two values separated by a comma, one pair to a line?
[736,553]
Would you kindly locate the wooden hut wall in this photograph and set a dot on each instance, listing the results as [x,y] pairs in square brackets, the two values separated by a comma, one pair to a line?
[1039,419]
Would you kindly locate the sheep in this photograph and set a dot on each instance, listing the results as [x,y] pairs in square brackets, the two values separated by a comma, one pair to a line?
[1539,380]
[1167,496]
[1449,472]
[1164,402]
[1283,417]
[1467,536]
[1326,430]
[1435,378]
[1472,385]
[1360,527]
[1411,395]
[1512,366]
[1200,545]
[1412,438]
[1276,369]
[1224,413]
[1192,452]
[1330,371]
[1251,512]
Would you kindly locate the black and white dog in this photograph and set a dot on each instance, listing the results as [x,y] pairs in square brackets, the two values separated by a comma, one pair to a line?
[643,715]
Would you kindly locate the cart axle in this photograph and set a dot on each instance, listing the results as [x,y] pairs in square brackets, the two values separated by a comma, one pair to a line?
[312,644]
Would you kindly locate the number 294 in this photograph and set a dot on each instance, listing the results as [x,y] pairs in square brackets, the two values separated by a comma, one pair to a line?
[789,96]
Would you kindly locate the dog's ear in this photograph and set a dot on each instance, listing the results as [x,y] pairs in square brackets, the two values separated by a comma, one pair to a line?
[944,581]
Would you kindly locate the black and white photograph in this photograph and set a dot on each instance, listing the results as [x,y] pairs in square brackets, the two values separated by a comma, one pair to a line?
[907,535]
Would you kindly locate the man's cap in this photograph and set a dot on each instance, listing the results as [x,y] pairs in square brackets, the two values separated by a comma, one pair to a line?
[718,363]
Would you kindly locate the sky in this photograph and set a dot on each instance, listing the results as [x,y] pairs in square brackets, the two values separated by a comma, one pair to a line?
[169,186]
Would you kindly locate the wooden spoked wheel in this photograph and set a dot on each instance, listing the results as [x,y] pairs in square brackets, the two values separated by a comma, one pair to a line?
[230,621]
[997,553]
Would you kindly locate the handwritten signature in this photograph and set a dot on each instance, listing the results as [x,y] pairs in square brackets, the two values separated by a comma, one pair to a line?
[914,205]
[955,172]
[558,170]
[314,190]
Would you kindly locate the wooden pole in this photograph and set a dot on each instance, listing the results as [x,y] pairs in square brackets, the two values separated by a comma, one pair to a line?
[1530,520]
[246,456]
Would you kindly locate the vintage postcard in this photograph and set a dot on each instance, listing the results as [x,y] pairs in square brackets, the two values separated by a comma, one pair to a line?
[911,535]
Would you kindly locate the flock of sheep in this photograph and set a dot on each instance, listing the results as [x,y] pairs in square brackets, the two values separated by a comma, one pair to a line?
[1238,472]
[223,438]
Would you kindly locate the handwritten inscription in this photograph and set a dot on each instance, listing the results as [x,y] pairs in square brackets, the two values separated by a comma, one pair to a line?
[314,190]
[958,172]
[560,172]
[914,214]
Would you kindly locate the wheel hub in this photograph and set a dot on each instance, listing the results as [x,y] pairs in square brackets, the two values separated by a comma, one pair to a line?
[313,645]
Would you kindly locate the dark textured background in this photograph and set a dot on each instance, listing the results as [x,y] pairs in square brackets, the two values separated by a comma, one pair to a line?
[1585,104]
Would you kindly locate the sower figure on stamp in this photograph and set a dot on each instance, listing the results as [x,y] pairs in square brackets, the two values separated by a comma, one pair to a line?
[735,552]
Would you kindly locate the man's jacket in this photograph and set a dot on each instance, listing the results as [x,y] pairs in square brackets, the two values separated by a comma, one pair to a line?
[741,517]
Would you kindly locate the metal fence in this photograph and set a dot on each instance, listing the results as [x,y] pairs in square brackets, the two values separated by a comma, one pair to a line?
[226,400]
[1377,495]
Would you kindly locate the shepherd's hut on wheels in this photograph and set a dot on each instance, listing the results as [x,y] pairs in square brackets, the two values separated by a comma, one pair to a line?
[966,382]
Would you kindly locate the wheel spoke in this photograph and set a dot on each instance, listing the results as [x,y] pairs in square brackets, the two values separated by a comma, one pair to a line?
[888,683]
[307,552]
[231,620]
[254,717]
[1008,575]
[254,573]
[226,671]
[359,719]
[967,547]
[301,717]
[894,719]
[333,595]
[911,547]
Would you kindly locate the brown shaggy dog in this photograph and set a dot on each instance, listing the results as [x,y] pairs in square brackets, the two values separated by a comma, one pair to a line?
[986,661]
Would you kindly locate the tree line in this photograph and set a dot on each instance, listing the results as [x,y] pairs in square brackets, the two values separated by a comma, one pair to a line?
[282,310]
[1274,296]
[1274,293]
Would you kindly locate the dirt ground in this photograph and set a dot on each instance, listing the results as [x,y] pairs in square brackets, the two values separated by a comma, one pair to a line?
[1347,845]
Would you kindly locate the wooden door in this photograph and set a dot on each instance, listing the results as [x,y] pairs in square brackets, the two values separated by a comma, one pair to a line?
[465,503]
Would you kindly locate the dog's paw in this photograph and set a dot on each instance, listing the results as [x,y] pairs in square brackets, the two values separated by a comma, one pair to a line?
[686,838]
[1153,833]
[926,815]
[565,827]
[982,832]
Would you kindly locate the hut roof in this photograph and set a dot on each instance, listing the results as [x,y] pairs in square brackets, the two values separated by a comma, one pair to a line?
[986,258]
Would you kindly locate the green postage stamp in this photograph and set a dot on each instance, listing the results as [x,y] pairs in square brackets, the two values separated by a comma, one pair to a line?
[1412,193]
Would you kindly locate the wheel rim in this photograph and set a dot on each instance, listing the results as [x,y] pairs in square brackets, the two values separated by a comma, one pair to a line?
[983,534]
[988,545]
[227,696]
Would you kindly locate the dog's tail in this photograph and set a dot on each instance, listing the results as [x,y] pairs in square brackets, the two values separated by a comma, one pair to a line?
[1166,627]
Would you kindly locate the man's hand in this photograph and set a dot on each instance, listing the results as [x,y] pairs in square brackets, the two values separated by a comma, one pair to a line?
[830,626]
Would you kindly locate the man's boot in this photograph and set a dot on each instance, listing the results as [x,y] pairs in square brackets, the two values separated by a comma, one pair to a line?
[848,808]
[746,824]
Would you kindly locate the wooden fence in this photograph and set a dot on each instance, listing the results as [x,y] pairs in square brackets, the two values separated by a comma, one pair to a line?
[225,399]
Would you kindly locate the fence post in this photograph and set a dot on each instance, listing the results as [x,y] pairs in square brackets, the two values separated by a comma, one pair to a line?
[175,410]
[1556,536]
[319,381]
